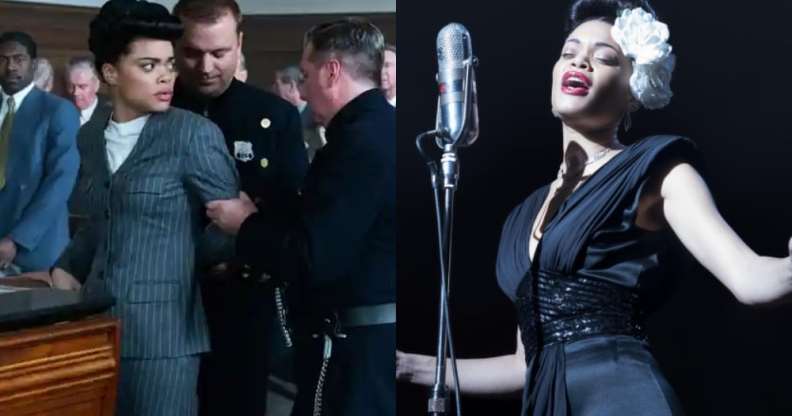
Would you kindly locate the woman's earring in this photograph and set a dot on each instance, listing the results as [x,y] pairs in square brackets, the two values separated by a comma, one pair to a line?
[627,121]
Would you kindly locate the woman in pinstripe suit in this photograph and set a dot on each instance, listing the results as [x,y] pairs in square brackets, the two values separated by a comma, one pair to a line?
[146,173]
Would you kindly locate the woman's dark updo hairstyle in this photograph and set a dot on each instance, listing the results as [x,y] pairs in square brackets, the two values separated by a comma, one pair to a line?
[120,22]
[604,10]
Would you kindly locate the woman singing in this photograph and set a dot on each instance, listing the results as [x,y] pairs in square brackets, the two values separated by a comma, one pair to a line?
[579,254]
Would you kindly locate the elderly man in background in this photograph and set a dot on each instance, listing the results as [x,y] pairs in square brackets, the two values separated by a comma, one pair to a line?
[82,86]
[287,86]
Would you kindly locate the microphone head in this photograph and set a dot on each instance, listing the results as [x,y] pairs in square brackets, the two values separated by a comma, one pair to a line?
[453,44]
[457,115]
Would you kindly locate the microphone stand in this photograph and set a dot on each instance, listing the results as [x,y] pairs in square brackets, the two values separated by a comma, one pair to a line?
[446,177]
[450,176]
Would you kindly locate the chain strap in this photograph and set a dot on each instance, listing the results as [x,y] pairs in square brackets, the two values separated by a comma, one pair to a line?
[332,330]
[328,351]
[282,311]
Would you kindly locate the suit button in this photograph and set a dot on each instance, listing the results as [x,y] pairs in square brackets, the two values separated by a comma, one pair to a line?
[107,184]
[107,214]
[100,275]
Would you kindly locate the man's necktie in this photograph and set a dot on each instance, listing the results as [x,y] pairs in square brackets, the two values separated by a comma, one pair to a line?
[5,139]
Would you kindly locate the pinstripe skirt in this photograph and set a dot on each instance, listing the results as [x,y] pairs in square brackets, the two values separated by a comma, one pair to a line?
[158,387]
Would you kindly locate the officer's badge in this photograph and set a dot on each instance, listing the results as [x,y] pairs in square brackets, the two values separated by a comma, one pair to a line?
[264,163]
[243,151]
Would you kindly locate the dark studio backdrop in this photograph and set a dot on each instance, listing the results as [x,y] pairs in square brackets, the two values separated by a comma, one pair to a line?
[732,96]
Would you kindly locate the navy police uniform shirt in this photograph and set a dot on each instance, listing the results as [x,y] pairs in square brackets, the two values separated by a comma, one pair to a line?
[264,136]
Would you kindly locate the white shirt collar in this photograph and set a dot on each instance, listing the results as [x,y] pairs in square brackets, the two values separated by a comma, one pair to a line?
[392,101]
[18,97]
[128,128]
[86,114]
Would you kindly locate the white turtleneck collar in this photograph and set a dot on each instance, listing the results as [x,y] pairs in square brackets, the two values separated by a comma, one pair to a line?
[120,139]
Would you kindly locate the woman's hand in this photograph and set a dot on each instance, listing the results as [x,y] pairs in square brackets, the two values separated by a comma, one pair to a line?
[415,368]
[496,376]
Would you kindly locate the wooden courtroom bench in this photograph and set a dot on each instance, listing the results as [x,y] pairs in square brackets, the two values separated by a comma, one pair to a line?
[58,355]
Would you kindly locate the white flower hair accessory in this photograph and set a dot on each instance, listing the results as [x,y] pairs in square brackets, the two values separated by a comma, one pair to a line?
[644,39]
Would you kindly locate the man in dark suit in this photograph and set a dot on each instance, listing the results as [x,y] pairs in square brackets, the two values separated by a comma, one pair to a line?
[38,162]
[263,134]
[336,250]
[287,86]
[82,85]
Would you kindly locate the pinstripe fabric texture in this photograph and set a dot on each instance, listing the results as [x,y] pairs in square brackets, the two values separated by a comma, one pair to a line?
[158,387]
[147,221]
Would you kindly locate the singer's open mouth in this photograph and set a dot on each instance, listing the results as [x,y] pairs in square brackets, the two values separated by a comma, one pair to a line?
[575,83]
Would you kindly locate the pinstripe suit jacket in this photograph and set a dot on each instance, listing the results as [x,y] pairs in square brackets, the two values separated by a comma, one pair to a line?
[146,222]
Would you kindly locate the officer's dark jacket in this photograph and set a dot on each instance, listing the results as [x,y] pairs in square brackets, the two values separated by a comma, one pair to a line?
[338,246]
[263,133]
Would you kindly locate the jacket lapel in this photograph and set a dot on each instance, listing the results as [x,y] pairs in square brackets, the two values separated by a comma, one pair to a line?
[26,119]
[24,140]
[91,137]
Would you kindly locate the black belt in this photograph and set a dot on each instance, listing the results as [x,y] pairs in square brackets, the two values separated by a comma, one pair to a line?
[559,308]
[332,327]
[342,318]
[368,315]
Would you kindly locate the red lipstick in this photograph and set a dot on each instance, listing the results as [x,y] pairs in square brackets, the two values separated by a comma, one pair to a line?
[575,83]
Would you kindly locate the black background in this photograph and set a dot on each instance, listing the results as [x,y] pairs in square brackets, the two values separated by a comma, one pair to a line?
[732,86]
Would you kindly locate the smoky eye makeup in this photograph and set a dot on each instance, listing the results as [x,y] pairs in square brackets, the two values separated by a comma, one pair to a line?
[568,51]
[606,52]
[607,58]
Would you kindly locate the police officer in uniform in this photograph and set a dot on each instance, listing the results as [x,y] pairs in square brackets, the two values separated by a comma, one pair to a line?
[337,250]
[264,135]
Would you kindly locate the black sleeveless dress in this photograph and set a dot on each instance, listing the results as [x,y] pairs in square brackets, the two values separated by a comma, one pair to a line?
[582,300]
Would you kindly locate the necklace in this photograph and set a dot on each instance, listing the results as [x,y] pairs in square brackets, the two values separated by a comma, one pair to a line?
[579,180]
[598,156]
[601,154]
